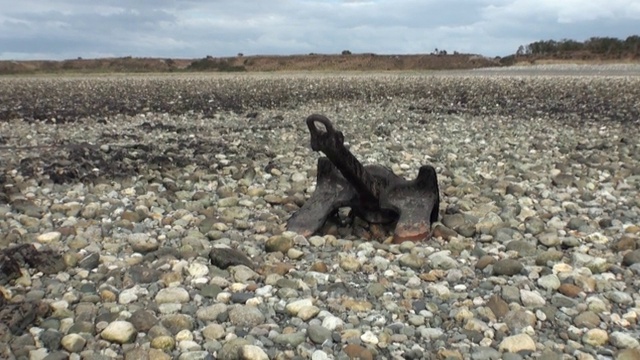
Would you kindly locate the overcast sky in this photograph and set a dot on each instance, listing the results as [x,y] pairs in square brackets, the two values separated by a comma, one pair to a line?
[64,29]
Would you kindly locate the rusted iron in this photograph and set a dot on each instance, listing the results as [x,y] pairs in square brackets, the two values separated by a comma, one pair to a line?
[374,193]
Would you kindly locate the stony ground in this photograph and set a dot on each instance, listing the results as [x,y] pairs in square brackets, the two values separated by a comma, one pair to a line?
[149,215]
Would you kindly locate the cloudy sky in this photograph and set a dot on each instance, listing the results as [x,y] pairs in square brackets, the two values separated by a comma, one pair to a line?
[64,29]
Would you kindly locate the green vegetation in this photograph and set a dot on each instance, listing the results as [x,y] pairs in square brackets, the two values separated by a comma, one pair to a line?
[210,63]
[596,45]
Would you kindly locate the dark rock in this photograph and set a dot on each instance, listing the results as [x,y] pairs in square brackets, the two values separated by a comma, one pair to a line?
[177,322]
[464,225]
[90,261]
[587,319]
[82,327]
[51,339]
[562,180]
[560,300]
[143,320]
[551,256]
[226,257]
[22,315]
[631,258]
[231,349]
[88,288]
[26,255]
[241,297]
[534,225]
[318,334]
[210,290]
[485,353]
[522,247]
[56,355]
[485,261]
[517,320]
[498,306]
[507,267]
[141,274]
[419,305]
[576,223]
[27,207]
[625,243]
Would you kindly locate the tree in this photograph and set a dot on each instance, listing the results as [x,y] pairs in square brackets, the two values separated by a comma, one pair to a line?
[346,52]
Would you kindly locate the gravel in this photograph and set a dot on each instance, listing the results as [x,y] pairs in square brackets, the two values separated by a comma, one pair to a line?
[159,204]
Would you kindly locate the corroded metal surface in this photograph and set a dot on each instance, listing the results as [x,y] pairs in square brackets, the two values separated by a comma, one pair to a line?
[374,193]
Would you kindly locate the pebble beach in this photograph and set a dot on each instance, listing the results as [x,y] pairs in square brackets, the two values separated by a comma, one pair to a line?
[159,203]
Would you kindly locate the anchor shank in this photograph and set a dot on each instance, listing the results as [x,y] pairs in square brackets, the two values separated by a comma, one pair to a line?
[331,143]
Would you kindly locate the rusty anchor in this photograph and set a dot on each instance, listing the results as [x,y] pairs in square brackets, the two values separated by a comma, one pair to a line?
[374,193]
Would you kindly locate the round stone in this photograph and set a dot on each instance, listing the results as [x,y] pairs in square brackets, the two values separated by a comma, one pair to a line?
[49,237]
[73,343]
[172,295]
[120,332]
[508,267]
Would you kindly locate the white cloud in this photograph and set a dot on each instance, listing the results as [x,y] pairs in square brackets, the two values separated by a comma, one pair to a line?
[195,28]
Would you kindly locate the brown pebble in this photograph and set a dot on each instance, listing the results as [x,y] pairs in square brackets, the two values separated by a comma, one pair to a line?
[132,216]
[449,354]
[171,277]
[280,268]
[378,232]
[289,330]
[107,296]
[443,232]
[430,277]
[252,287]
[357,306]
[633,229]
[628,354]
[319,266]
[499,307]
[626,242]
[358,352]
[67,230]
[569,290]
[485,261]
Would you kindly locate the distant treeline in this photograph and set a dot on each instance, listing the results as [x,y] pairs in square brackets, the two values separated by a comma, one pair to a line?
[608,46]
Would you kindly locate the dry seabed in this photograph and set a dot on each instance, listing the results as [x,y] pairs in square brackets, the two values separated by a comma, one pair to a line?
[166,198]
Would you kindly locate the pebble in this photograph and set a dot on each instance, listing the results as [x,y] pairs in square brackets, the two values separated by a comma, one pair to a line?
[623,340]
[355,351]
[508,267]
[172,295]
[49,237]
[120,332]
[517,343]
[531,298]
[73,343]
[549,282]
[318,334]
[252,352]
[595,337]
[246,316]
[294,307]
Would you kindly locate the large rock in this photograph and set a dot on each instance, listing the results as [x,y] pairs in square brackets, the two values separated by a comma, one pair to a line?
[120,332]
[517,343]
[226,257]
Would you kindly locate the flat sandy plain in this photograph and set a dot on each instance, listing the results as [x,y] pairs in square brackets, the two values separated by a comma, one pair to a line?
[139,181]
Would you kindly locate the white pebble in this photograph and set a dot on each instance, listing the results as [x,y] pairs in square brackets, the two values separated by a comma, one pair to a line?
[49,237]
[197,270]
[369,337]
